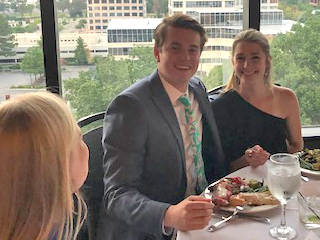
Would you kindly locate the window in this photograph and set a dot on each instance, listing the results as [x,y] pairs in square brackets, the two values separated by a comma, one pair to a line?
[119,1]
[134,14]
[105,20]
[96,8]
[111,8]
[97,14]
[126,8]
[134,8]
[133,1]
[104,8]
[104,14]
[97,21]
[15,74]
[141,14]
[140,8]
[119,14]
[177,4]
[111,1]
[127,14]
[221,27]
[96,1]
[98,27]
[119,8]
[112,14]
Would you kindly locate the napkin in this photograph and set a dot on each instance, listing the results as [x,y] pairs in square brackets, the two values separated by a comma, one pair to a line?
[312,236]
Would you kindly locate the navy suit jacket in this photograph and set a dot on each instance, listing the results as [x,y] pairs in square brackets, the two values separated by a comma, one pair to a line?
[144,160]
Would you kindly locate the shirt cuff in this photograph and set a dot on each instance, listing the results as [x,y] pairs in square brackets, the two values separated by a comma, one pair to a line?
[166,230]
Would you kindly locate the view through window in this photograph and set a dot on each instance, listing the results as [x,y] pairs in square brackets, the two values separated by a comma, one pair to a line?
[106,45]
[21,54]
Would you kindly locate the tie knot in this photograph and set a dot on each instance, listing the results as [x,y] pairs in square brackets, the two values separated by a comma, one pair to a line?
[184,99]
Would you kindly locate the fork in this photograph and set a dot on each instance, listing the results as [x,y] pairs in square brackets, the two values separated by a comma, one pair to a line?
[212,227]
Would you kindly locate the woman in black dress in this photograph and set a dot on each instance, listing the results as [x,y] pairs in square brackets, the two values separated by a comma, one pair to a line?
[255,118]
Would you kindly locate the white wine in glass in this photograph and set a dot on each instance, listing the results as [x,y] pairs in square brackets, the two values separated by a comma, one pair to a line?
[284,178]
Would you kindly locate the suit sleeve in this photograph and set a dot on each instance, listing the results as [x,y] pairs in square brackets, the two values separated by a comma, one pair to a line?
[124,141]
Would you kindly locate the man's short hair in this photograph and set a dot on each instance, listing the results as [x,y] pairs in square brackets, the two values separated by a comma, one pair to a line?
[178,21]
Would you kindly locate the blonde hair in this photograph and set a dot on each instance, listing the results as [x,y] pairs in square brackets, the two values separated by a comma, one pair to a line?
[37,131]
[251,36]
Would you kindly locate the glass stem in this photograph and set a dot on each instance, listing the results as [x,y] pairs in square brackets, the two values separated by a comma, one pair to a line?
[283,215]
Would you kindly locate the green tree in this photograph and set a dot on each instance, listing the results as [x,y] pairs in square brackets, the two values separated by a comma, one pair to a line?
[81,24]
[7,39]
[219,75]
[19,6]
[297,66]
[33,63]
[214,78]
[4,5]
[93,90]
[63,5]
[77,7]
[141,63]
[81,54]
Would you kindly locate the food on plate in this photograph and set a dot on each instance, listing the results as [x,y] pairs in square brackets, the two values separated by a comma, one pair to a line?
[310,159]
[239,192]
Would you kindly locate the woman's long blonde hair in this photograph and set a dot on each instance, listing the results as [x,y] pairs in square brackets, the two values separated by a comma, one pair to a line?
[37,131]
[251,36]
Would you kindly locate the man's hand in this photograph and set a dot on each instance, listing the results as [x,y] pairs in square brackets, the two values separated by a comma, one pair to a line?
[192,213]
[256,156]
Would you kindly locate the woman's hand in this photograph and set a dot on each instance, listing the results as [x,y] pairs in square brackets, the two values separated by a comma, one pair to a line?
[256,156]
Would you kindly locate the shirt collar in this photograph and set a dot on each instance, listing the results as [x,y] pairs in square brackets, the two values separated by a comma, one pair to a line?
[172,92]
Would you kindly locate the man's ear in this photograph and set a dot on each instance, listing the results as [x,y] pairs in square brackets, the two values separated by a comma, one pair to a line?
[156,53]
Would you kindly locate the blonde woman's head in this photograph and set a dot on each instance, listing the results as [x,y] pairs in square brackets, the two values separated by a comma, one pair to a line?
[254,37]
[38,138]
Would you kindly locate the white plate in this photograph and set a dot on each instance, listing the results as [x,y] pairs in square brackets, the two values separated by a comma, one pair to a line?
[255,209]
[307,171]
[311,172]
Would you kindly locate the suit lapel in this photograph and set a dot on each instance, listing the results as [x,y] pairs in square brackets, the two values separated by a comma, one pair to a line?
[162,101]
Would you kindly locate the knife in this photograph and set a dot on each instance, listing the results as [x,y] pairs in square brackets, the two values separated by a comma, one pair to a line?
[224,214]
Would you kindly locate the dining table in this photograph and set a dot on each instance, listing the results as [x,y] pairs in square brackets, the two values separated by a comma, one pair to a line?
[248,229]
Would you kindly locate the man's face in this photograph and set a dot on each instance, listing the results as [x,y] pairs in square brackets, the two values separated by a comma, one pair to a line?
[179,56]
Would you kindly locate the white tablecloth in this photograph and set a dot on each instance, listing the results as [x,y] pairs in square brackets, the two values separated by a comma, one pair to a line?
[244,229]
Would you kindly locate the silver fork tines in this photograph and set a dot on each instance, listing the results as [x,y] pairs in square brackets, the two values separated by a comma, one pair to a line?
[212,227]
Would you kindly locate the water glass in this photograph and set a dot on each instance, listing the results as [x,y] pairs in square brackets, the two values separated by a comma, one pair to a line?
[309,202]
[284,179]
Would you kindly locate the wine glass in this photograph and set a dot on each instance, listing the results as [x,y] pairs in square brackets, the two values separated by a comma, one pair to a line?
[284,178]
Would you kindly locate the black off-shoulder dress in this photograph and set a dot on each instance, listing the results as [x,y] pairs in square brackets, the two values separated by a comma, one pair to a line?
[241,126]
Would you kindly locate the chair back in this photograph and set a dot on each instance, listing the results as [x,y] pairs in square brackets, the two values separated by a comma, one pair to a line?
[93,187]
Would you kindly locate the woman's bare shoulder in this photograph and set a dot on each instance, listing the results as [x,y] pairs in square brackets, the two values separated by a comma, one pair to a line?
[284,94]
[286,99]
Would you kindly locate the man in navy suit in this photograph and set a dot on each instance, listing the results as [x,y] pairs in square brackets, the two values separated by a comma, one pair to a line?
[148,159]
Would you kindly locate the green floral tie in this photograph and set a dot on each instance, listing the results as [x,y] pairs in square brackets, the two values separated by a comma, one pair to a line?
[200,177]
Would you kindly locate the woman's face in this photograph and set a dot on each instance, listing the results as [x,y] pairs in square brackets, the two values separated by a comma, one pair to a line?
[79,162]
[249,62]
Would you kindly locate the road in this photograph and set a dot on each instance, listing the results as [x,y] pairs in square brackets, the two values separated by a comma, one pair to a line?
[7,79]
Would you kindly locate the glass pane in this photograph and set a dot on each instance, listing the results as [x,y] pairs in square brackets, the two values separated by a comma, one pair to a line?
[293,29]
[104,57]
[101,58]
[21,54]
[222,21]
